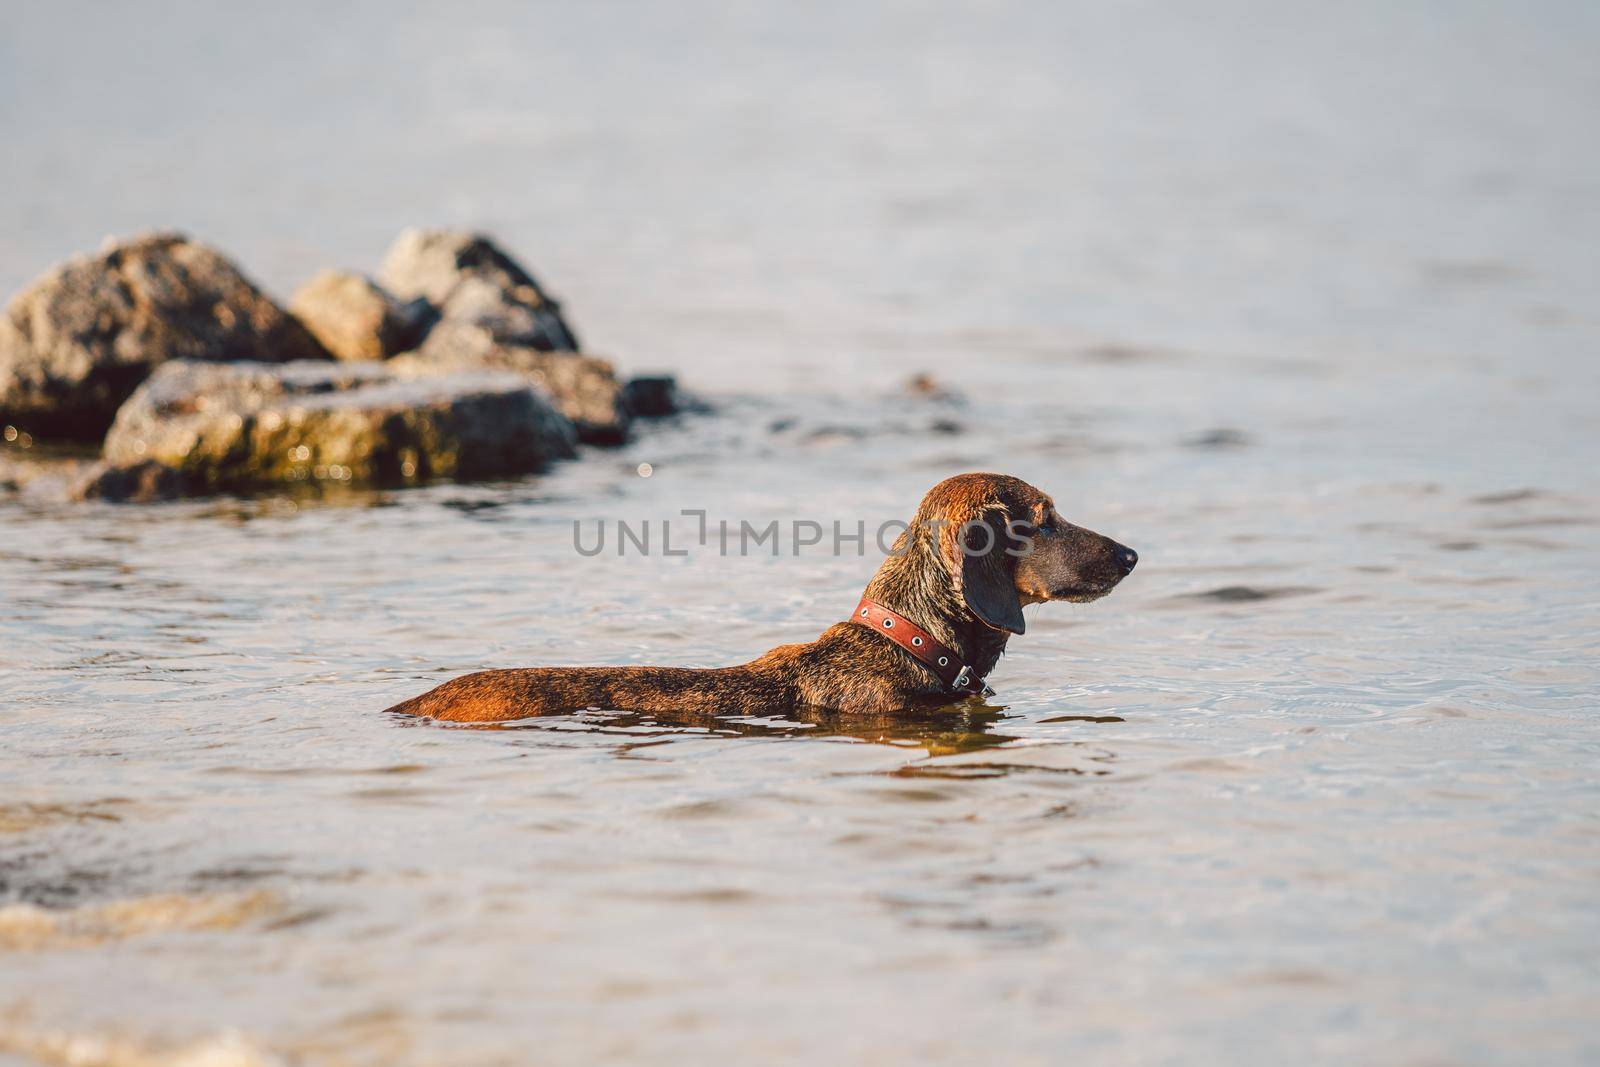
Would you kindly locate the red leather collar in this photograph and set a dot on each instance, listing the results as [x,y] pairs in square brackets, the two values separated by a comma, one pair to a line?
[945,664]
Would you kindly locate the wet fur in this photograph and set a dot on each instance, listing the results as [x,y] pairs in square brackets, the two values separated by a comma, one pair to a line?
[973,604]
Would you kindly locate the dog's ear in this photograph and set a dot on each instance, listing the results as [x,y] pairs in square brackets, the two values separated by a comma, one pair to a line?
[988,572]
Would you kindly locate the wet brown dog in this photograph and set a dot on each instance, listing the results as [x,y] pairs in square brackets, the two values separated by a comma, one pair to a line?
[980,548]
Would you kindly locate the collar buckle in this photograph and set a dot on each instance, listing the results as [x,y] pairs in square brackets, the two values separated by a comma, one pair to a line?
[963,680]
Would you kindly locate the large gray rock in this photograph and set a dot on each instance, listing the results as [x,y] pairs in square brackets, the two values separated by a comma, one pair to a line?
[583,388]
[355,319]
[469,279]
[241,425]
[79,340]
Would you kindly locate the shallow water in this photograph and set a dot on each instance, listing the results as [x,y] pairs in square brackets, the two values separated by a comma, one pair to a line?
[1298,305]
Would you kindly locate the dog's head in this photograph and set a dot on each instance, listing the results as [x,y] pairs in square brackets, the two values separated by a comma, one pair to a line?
[1005,546]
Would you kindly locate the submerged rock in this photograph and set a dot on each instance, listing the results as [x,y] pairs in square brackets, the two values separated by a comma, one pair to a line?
[652,396]
[16,474]
[46,475]
[583,388]
[471,280]
[925,386]
[136,483]
[241,425]
[80,339]
[355,319]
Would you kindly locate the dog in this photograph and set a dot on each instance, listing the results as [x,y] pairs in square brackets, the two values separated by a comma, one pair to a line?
[934,620]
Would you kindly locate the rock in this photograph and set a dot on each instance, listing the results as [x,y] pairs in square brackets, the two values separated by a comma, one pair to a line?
[493,314]
[80,339]
[355,319]
[42,475]
[469,279]
[241,425]
[583,388]
[925,386]
[136,483]
[14,475]
[651,396]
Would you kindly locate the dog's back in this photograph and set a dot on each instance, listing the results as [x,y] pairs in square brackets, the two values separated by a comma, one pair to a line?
[497,696]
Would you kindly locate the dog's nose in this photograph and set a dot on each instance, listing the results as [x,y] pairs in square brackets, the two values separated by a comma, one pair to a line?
[1128,558]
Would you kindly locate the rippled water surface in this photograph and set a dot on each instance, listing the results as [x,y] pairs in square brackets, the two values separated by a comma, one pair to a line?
[1300,304]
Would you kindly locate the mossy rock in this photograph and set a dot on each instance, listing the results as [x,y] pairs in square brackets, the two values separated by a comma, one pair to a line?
[583,388]
[246,425]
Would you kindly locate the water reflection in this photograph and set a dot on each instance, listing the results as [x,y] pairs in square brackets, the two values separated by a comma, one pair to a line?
[947,731]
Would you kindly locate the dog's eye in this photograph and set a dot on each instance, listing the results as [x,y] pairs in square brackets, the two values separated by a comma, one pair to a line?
[1048,526]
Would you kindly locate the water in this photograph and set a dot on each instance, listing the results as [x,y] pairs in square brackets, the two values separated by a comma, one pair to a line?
[1297,302]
